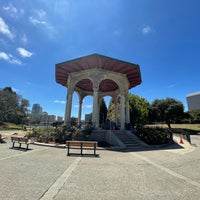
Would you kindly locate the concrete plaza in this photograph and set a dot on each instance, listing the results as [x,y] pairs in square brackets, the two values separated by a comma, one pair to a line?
[47,173]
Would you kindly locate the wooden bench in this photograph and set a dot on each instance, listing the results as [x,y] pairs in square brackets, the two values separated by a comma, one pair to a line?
[20,140]
[82,145]
[2,138]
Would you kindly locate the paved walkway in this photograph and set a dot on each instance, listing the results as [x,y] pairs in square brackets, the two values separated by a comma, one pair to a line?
[47,173]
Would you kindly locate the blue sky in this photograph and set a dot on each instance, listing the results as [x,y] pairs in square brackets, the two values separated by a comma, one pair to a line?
[163,37]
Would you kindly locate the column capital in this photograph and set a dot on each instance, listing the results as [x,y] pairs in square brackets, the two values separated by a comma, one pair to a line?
[96,86]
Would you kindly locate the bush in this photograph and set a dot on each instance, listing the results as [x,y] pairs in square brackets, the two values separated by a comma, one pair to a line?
[44,134]
[87,131]
[153,136]
[60,134]
[63,133]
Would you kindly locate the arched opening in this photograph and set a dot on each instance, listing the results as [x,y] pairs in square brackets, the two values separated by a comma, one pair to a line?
[87,109]
[75,105]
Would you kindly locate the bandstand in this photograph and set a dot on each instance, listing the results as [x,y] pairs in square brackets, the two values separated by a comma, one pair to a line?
[98,76]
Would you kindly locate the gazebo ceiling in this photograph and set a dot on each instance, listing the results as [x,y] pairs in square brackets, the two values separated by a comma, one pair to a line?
[132,71]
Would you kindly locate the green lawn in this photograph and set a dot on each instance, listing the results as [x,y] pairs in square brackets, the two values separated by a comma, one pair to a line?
[191,128]
[9,126]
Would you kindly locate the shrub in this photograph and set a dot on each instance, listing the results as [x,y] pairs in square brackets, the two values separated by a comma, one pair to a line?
[60,134]
[87,131]
[44,134]
[63,133]
[153,136]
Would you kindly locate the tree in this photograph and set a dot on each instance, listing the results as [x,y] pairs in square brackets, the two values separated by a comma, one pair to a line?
[195,116]
[13,108]
[8,104]
[111,111]
[103,112]
[139,110]
[168,110]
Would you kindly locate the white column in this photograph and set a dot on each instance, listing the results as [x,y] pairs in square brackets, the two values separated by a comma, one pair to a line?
[98,111]
[116,109]
[127,111]
[68,107]
[95,107]
[80,110]
[122,111]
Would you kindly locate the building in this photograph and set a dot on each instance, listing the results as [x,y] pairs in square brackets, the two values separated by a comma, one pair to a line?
[36,111]
[193,101]
[51,118]
[59,118]
[44,118]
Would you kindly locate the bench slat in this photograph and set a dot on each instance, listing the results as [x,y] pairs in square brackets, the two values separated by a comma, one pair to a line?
[21,140]
[83,143]
[88,145]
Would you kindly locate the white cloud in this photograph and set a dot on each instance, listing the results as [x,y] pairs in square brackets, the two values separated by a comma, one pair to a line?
[146,30]
[4,56]
[15,90]
[35,21]
[40,13]
[4,29]
[13,11]
[10,58]
[88,106]
[24,53]
[40,18]
[59,101]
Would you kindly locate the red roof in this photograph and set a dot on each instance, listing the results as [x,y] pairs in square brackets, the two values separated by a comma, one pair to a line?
[132,71]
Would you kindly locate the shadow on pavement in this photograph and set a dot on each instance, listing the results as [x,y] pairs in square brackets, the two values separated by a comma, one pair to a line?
[84,155]
[20,149]
[155,148]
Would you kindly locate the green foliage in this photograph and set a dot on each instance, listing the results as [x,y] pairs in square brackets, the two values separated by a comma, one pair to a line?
[73,121]
[111,111]
[44,134]
[13,108]
[63,133]
[153,136]
[103,112]
[10,126]
[194,116]
[87,131]
[139,110]
[167,110]
[60,134]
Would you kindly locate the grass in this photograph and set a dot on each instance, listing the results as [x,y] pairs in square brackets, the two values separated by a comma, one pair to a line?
[10,126]
[181,128]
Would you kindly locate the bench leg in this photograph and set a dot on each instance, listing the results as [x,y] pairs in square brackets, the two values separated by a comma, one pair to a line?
[13,145]
[81,149]
[95,150]
[27,147]
[68,154]
[20,144]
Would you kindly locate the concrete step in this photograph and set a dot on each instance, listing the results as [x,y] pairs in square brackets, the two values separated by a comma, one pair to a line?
[129,141]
